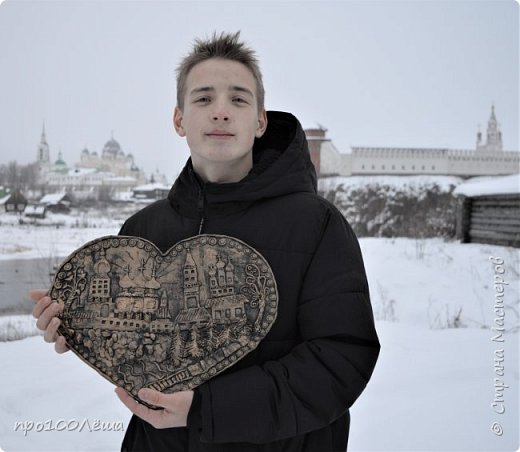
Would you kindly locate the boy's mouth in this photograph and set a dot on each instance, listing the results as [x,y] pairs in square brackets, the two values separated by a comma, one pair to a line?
[220,134]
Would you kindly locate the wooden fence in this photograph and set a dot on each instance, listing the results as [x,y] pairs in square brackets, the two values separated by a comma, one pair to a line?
[493,219]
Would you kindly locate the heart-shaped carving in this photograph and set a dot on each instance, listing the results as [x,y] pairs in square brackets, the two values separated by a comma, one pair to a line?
[164,321]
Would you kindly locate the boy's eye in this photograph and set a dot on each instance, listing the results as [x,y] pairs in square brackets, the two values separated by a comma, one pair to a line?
[239,100]
[203,100]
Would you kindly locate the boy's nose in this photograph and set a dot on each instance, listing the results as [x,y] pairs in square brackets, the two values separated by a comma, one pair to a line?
[220,117]
[220,111]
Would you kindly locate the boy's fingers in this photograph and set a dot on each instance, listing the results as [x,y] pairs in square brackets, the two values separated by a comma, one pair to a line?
[47,315]
[41,306]
[153,397]
[51,333]
[60,345]
[154,417]
[135,407]
[45,311]
[36,294]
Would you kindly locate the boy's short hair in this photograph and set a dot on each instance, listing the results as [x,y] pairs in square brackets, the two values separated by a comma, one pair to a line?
[226,46]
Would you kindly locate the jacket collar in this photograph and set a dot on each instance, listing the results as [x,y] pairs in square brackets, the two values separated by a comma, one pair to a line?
[281,165]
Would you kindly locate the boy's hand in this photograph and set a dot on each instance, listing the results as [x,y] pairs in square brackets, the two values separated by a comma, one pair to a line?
[46,311]
[176,407]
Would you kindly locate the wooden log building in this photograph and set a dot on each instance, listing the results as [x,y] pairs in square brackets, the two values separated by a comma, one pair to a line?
[489,211]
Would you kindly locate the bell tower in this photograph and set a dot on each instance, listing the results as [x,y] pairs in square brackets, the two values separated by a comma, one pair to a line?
[493,135]
[43,155]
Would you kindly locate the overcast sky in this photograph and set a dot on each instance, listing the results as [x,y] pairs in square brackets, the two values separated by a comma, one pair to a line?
[374,73]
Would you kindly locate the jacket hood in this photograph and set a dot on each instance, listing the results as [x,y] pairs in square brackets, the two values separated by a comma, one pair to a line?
[281,165]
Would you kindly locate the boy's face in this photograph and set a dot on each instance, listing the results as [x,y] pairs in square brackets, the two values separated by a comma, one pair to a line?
[220,118]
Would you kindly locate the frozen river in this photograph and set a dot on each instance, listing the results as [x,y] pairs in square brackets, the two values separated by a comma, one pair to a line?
[29,253]
[17,277]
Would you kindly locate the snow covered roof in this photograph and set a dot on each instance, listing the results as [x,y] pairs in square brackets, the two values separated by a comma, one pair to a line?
[52,198]
[151,187]
[15,197]
[479,186]
[123,196]
[4,199]
[122,178]
[32,209]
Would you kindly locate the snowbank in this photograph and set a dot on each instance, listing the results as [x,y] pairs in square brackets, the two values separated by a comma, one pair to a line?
[479,186]
[412,183]
[16,327]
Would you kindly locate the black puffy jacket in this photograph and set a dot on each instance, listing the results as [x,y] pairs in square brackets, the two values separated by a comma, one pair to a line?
[292,393]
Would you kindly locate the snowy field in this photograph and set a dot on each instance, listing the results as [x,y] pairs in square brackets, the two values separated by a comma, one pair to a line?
[59,235]
[432,389]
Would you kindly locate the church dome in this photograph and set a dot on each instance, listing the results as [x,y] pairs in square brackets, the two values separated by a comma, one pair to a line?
[60,161]
[85,152]
[112,148]
[59,165]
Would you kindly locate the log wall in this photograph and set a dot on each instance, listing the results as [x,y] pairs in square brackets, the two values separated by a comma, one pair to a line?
[493,219]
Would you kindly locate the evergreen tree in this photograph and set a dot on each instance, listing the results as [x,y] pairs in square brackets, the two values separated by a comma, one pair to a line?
[212,338]
[176,348]
[193,347]
[224,336]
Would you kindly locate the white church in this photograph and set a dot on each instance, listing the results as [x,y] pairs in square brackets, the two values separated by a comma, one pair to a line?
[113,170]
[487,159]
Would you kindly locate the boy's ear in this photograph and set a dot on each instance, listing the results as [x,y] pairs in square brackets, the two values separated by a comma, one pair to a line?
[177,122]
[262,124]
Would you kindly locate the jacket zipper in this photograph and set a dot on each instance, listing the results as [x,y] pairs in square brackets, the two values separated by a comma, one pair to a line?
[200,201]
[200,206]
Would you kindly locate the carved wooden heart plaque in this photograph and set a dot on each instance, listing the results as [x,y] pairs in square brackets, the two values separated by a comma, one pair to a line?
[164,321]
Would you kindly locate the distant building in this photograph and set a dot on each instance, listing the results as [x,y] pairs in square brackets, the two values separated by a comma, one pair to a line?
[35,211]
[14,201]
[150,192]
[94,176]
[56,202]
[43,156]
[488,210]
[112,160]
[85,183]
[487,159]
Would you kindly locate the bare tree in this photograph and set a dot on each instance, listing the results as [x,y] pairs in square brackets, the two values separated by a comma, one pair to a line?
[13,175]
[29,176]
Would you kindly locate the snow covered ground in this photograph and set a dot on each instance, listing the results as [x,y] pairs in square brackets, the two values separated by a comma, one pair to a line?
[432,389]
[59,235]
[29,242]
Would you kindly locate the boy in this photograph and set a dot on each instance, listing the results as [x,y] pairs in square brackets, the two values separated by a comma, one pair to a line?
[250,177]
